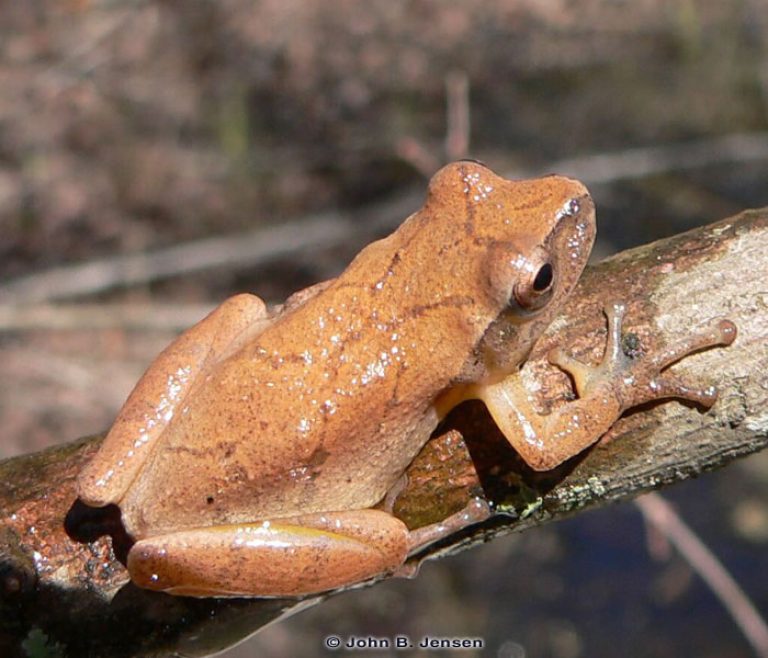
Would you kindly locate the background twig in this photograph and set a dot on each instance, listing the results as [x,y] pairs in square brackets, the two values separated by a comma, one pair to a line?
[664,519]
[318,231]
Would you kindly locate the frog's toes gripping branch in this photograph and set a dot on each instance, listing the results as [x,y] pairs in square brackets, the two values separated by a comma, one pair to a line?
[636,380]
[605,391]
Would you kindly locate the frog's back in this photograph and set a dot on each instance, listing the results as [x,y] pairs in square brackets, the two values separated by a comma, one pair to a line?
[326,407]
[322,411]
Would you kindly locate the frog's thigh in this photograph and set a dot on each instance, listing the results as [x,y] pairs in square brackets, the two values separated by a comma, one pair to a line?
[141,421]
[285,557]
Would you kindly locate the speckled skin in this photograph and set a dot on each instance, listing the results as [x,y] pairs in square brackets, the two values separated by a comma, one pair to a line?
[306,417]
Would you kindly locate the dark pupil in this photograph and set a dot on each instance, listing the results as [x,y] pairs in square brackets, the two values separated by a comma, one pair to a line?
[543,278]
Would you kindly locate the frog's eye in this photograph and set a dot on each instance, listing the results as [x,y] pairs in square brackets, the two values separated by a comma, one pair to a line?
[535,287]
[544,278]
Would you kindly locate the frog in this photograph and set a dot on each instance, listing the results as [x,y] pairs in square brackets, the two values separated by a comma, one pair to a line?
[256,454]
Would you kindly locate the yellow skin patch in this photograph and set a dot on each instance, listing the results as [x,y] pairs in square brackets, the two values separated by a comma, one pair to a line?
[248,457]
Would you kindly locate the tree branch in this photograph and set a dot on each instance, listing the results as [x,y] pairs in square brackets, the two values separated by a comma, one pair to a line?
[71,598]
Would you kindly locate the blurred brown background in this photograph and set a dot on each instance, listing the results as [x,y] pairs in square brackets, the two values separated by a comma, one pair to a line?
[137,126]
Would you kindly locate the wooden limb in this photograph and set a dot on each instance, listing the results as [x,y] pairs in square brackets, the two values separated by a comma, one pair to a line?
[73,598]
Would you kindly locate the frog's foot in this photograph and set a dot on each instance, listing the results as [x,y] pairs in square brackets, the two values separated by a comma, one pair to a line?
[636,380]
[475,511]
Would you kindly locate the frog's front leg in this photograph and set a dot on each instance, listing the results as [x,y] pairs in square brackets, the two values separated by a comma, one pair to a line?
[605,391]
[285,557]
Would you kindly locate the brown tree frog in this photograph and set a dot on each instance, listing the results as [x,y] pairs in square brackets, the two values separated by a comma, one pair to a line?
[249,458]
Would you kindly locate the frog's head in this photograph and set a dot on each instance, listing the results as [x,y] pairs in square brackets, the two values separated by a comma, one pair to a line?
[532,239]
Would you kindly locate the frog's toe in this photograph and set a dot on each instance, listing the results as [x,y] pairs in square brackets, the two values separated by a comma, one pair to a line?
[650,383]
[581,372]
[670,386]
[717,332]
[614,312]
[613,364]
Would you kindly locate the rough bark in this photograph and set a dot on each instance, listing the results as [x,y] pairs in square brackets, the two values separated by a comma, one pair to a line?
[65,594]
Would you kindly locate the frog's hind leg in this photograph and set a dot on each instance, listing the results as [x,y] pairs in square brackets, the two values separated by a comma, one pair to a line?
[161,390]
[284,557]
[287,557]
